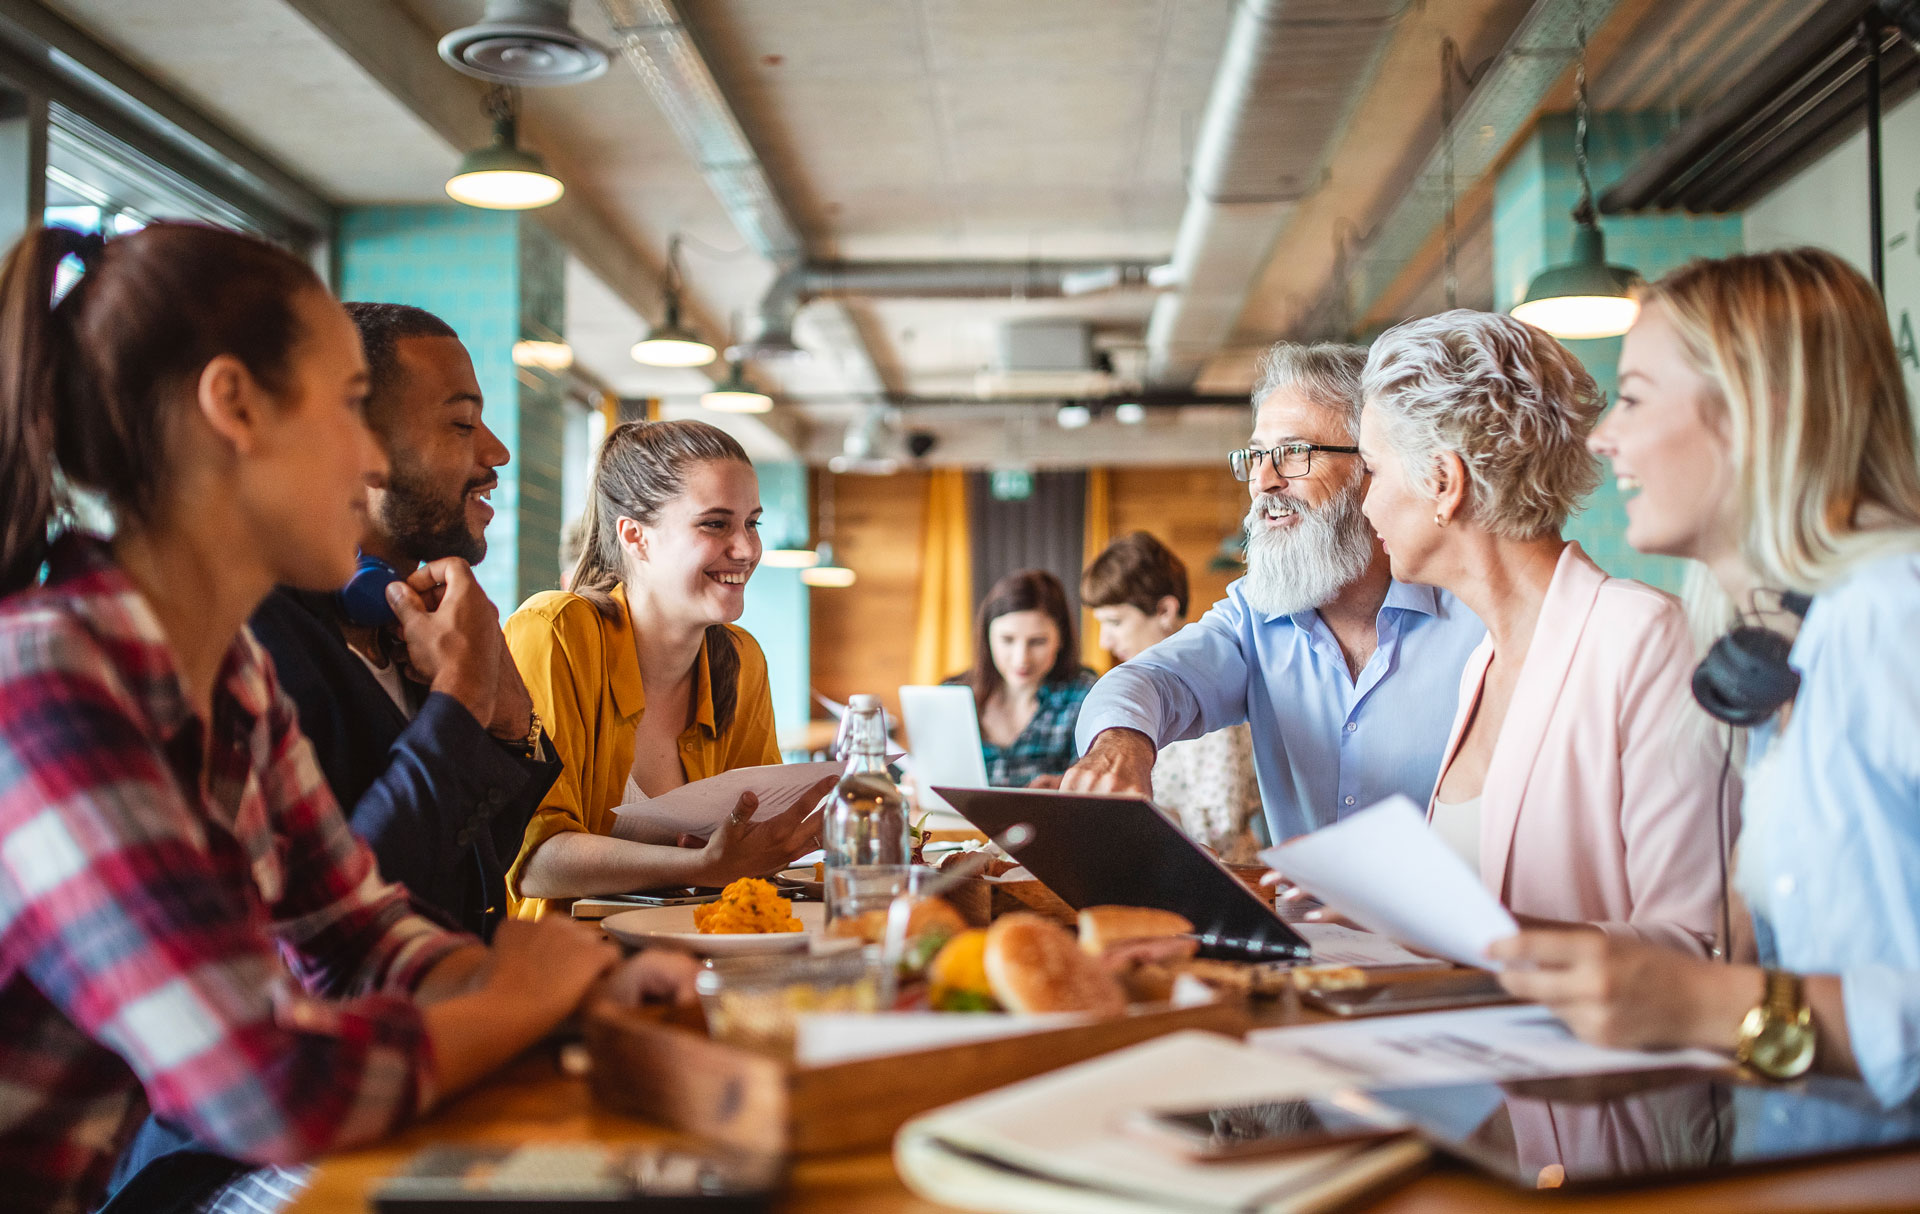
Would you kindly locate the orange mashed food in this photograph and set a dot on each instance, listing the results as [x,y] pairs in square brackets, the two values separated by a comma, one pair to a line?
[750,906]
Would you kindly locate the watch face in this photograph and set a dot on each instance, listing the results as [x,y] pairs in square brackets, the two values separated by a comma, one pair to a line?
[1783,1049]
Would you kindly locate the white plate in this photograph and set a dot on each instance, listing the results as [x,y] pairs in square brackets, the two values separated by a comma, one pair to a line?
[673,927]
[804,878]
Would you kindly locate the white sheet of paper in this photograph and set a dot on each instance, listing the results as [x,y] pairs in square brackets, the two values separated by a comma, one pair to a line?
[1385,869]
[829,1037]
[1334,944]
[697,808]
[1469,1046]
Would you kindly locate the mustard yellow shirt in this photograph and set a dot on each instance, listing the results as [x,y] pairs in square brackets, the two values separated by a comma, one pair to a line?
[583,674]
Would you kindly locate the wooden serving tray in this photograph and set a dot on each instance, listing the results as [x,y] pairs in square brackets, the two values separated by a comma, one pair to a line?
[651,1068]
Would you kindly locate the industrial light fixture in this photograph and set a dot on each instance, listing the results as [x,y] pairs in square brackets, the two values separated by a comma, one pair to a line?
[824,574]
[1130,413]
[735,395]
[1073,417]
[542,355]
[672,344]
[503,176]
[1586,297]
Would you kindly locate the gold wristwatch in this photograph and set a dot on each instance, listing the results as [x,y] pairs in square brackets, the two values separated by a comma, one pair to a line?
[534,745]
[1777,1039]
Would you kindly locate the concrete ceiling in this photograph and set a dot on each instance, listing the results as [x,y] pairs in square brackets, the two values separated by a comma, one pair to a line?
[911,129]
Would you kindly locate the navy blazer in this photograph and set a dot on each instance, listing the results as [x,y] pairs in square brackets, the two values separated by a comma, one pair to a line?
[442,802]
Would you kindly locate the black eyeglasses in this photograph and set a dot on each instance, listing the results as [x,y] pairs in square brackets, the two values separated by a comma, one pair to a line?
[1289,459]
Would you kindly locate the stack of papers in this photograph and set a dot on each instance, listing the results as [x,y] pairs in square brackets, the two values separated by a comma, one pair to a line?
[1060,1142]
[699,807]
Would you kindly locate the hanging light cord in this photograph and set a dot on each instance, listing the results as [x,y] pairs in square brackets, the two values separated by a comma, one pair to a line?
[499,103]
[1452,69]
[1583,211]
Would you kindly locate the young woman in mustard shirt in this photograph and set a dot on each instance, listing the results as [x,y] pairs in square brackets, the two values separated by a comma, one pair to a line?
[641,678]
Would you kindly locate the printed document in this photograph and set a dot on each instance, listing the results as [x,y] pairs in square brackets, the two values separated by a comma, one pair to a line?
[697,808]
[1387,870]
[1476,1045]
[1334,944]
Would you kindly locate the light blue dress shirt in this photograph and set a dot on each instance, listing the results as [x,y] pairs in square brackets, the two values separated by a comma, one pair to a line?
[1830,848]
[1325,745]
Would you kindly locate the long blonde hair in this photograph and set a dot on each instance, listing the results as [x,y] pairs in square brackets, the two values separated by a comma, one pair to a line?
[1797,348]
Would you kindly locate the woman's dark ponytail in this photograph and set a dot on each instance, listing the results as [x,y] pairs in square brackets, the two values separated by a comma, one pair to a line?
[90,387]
[33,340]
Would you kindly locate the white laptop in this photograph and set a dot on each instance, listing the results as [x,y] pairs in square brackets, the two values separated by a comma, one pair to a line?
[943,734]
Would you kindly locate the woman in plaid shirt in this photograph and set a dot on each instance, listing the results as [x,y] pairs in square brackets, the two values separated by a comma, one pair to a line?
[1027,680]
[186,922]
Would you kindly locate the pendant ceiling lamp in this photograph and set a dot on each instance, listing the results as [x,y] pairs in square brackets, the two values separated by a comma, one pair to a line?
[735,395]
[823,573]
[1585,297]
[672,344]
[503,176]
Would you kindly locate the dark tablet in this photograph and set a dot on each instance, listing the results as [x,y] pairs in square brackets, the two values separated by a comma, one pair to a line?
[1121,851]
[1601,1131]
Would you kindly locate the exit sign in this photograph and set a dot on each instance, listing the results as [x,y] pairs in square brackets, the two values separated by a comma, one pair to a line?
[1011,484]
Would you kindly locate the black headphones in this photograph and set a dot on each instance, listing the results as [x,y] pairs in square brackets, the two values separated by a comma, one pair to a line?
[1745,678]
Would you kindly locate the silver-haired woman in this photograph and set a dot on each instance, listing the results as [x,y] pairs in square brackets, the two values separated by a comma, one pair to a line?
[1579,779]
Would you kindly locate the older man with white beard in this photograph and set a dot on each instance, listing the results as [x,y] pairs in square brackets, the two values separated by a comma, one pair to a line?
[1348,677]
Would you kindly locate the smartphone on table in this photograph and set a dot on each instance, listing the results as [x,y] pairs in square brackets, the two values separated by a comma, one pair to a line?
[580,1178]
[1269,1127]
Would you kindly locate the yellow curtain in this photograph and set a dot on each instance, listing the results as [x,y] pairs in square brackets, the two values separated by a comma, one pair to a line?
[1099,532]
[943,634]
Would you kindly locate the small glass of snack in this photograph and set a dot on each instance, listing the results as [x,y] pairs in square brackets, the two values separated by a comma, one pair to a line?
[757,1001]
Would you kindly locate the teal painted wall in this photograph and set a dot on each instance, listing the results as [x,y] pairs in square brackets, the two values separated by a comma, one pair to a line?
[489,274]
[1533,200]
[777,600]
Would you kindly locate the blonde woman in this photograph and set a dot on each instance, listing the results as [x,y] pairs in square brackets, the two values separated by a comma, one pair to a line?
[1763,430]
[1572,779]
[642,679]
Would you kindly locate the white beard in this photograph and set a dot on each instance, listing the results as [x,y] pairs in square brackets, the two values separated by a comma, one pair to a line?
[1303,566]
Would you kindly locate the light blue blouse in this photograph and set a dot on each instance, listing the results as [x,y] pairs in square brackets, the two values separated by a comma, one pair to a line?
[1830,850]
[1325,745]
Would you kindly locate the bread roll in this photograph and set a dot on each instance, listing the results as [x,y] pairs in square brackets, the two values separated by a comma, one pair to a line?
[1035,966]
[1102,927]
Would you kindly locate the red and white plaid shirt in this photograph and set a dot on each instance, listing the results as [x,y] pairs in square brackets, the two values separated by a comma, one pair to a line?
[206,938]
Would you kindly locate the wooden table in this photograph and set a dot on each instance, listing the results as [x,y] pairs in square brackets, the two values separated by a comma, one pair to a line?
[534,1100]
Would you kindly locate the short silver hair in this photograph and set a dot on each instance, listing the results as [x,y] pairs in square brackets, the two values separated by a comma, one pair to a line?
[1326,373]
[1514,404]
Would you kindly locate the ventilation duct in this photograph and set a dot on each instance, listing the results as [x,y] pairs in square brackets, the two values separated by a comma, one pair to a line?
[773,332]
[527,42]
[1287,79]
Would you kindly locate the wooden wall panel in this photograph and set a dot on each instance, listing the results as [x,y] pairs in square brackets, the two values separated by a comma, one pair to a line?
[863,636]
[1190,510]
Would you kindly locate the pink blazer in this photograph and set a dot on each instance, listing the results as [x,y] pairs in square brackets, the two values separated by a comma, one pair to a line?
[1600,798]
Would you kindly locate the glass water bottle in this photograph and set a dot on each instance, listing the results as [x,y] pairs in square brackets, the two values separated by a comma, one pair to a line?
[866,839]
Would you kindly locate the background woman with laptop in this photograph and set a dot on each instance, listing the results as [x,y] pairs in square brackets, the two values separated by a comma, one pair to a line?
[1027,680]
